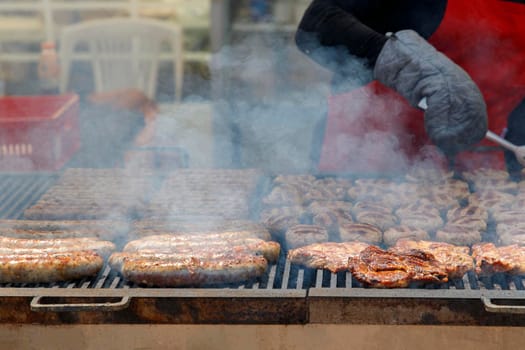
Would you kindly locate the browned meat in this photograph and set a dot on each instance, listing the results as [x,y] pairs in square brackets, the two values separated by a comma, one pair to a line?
[468,222]
[393,234]
[330,214]
[278,220]
[283,196]
[421,214]
[360,232]
[28,246]
[456,260]
[171,270]
[301,235]
[195,245]
[67,225]
[460,235]
[491,259]
[471,211]
[330,256]
[378,219]
[44,267]
[375,267]
[211,234]
[62,234]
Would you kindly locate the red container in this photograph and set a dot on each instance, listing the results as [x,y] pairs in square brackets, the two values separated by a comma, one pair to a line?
[38,133]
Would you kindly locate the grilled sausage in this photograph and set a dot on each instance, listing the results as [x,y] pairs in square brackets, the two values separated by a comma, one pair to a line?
[104,248]
[171,271]
[48,267]
[270,250]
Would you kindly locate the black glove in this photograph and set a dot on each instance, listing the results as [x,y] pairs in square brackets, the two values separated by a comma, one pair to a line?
[456,116]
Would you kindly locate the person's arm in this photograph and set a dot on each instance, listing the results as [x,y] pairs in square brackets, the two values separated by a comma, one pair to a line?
[326,24]
[456,116]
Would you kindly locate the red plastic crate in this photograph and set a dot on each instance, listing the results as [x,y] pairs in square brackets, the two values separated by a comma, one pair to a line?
[38,133]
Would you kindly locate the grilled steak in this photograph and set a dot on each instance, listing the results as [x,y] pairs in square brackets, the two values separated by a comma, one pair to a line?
[330,256]
[171,270]
[491,259]
[375,267]
[44,267]
[456,260]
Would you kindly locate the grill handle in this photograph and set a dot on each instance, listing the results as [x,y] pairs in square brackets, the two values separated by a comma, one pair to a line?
[37,305]
[502,309]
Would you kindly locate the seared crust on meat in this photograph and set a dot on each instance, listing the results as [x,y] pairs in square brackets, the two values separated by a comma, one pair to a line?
[378,268]
[491,259]
[456,260]
[330,256]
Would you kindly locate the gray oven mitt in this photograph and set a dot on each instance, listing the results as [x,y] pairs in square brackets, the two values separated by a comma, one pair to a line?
[456,116]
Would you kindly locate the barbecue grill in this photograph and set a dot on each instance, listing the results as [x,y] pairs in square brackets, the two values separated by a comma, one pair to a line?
[287,294]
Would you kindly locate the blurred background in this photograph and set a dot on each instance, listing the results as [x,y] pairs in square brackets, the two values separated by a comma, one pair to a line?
[236,93]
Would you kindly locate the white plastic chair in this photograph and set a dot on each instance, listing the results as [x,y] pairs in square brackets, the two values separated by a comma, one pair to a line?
[124,53]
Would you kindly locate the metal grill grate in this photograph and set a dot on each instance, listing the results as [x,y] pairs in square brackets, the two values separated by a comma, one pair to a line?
[18,192]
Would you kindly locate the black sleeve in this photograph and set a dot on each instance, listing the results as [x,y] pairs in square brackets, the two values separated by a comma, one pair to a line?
[516,135]
[326,24]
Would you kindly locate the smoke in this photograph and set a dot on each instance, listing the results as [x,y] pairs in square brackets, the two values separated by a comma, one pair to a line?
[272,103]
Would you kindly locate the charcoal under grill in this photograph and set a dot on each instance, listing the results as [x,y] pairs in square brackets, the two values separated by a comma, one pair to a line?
[287,294]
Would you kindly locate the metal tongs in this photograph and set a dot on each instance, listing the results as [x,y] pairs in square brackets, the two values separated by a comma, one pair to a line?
[519,151]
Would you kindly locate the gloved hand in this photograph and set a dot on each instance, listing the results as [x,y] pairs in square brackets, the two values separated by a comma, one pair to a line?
[456,116]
